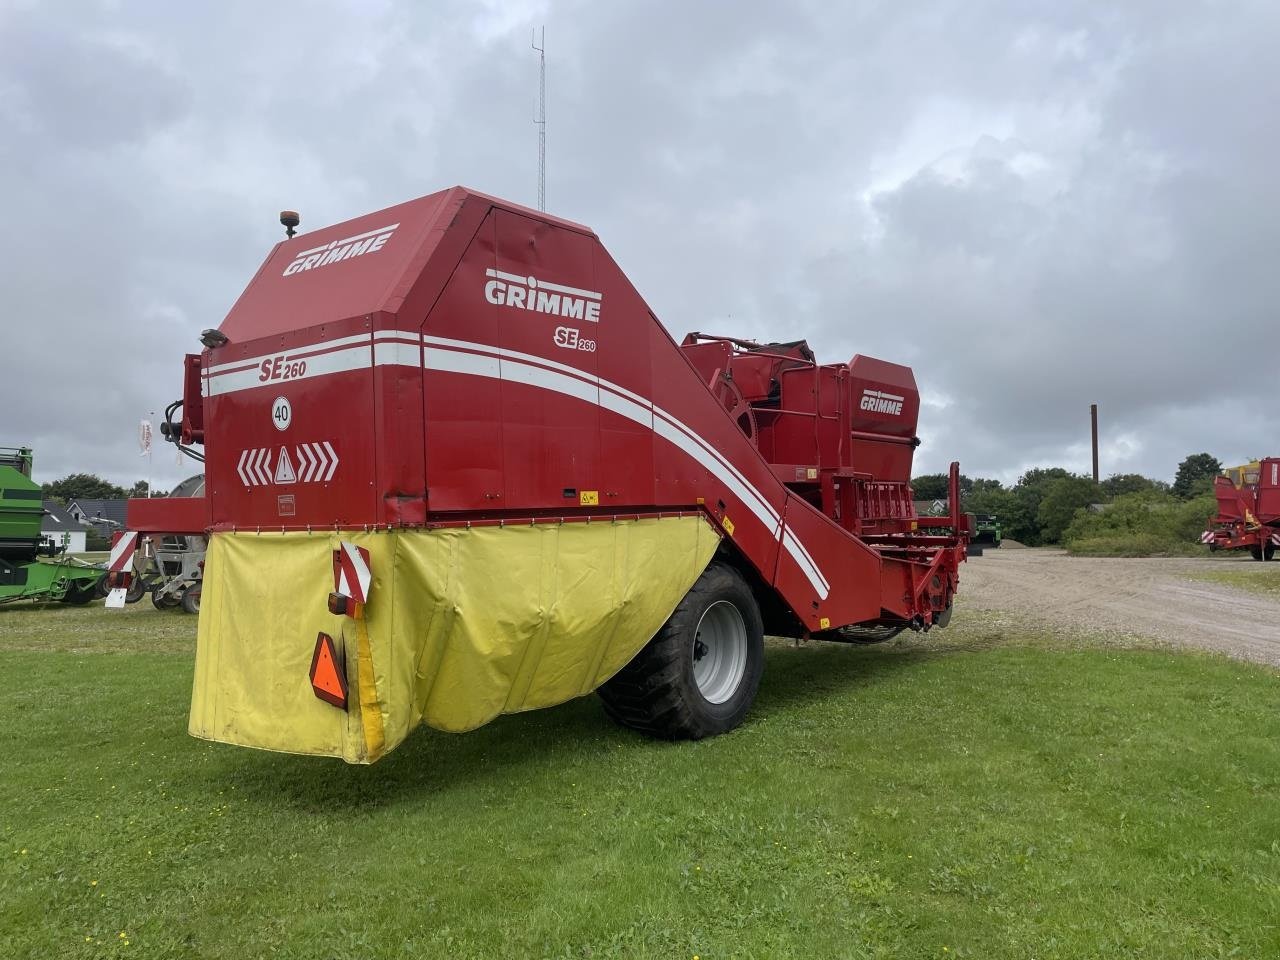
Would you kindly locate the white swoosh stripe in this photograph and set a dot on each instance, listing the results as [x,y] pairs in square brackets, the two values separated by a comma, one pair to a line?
[401,348]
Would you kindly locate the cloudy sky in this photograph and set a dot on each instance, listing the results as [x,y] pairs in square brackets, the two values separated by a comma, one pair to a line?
[1038,205]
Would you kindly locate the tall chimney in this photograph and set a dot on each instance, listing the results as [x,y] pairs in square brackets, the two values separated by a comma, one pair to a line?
[1093,417]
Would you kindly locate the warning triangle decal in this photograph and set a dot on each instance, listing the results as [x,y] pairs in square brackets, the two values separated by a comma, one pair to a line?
[284,469]
[328,681]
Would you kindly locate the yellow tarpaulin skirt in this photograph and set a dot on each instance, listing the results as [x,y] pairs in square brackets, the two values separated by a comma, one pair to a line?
[461,625]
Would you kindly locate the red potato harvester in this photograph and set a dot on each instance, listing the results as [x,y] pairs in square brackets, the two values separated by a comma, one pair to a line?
[457,468]
[1248,516]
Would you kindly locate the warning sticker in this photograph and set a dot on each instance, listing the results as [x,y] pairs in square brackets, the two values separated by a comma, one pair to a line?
[284,468]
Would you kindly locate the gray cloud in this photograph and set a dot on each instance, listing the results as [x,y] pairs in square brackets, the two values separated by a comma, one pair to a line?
[1038,206]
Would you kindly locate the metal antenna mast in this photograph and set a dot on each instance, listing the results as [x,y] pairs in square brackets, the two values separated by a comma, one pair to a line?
[541,118]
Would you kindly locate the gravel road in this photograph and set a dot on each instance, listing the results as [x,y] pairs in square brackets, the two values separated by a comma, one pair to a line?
[1155,599]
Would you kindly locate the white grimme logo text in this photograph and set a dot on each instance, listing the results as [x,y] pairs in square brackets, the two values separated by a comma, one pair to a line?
[878,401]
[356,246]
[541,296]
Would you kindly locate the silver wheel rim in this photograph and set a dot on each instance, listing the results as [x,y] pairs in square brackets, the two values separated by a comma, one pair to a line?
[719,652]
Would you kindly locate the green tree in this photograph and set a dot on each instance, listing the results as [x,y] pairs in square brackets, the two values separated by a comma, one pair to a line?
[1118,484]
[988,497]
[1037,476]
[937,486]
[1195,475]
[1062,498]
[140,489]
[930,486]
[1020,516]
[81,485]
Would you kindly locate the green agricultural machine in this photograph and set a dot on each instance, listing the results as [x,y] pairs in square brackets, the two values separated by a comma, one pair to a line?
[23,575]
[986,530]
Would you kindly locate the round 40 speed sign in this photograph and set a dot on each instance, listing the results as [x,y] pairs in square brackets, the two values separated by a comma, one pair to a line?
[281,413]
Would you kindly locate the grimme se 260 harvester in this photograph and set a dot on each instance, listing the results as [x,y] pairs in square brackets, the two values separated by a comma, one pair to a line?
[456,468]
[1248,516]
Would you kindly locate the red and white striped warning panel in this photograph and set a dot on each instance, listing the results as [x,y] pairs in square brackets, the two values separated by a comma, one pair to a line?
[122,552]
[1206,537]
[351,576]
[120,562]
[308,463]
[1275,538]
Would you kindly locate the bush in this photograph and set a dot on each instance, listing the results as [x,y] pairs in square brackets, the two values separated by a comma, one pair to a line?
[96,541]
[1133,545]
[1063,499]
[1143,524]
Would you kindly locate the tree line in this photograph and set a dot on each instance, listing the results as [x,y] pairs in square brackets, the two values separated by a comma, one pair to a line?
[1050,505]
[90,486]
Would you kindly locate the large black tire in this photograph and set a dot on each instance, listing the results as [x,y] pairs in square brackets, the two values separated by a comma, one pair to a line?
[715,635]
[136,590]
[166,601]
[191,599]
[1256,553]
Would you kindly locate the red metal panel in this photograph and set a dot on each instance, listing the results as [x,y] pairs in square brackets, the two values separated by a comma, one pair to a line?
[325,378]
[398,416]
[338,272]
[463,411]
[1268,493]
[550,440]
[192,428]
[884,401]
[177,515]
[850,567]
[628,465]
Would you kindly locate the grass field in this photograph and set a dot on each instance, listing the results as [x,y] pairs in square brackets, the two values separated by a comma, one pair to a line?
[1255,577]
[992,797]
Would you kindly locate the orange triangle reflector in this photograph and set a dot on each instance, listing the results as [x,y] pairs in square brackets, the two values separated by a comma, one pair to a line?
[328,679]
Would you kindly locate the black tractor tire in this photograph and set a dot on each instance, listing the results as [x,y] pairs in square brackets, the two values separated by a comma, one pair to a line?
[164,601]
[1268,551]
[974,549]
[136,591]
[191,599]
[1256,553]
[658,692]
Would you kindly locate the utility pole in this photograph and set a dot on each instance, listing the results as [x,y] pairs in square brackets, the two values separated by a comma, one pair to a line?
[541,119]
[1093,417]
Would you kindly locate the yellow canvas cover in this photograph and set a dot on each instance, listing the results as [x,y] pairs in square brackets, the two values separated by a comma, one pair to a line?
[461,625]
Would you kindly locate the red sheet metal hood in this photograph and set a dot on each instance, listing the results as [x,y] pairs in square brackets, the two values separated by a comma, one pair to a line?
[351,269]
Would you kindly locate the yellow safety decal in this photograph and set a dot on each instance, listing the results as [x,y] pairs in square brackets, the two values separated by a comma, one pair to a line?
[589,498]
[728,525]
[824,623]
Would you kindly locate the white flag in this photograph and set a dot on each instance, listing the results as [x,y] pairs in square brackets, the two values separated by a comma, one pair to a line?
[144,437]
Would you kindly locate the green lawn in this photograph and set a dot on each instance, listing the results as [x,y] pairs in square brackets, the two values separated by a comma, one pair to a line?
[1255,577]
[988,798]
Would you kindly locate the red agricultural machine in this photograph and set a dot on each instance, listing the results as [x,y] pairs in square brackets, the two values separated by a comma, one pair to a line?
[1248,515]
[456,468]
